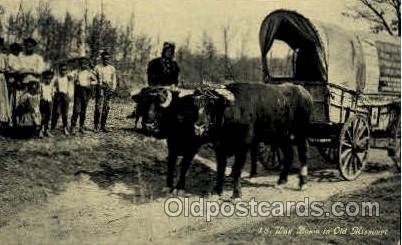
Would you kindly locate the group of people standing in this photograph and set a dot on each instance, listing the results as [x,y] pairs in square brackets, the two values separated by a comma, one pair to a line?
[34,94]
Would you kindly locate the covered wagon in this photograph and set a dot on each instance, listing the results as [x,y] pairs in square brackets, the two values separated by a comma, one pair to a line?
[354,79]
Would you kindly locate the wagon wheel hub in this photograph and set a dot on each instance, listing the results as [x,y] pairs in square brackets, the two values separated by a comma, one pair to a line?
[358,148]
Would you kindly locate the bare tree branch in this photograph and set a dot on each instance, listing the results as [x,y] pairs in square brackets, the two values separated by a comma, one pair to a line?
[383,14]
[379,14]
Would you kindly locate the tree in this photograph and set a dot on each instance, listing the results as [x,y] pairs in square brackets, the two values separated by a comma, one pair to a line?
[383,15]
[226,41]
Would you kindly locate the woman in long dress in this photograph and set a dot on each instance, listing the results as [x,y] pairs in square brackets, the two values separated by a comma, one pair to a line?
[5,110]
[13,77]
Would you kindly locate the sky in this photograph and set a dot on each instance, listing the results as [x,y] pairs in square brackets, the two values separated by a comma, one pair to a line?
[178,20]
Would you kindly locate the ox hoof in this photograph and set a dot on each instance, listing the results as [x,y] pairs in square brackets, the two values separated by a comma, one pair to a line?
[252,175]
[282,181]
[303,183]
[235,199]
[217,191]
[181,193]
[236,195]
[303,187]
[215,197]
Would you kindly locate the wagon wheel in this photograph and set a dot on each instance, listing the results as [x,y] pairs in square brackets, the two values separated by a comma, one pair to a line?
[330,154]
[276,156]
[396,146]
[353,147]
[270,155]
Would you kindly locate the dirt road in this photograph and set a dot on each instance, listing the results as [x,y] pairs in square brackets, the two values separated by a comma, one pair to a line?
[106,189]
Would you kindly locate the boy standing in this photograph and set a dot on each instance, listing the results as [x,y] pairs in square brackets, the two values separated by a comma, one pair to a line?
[47,92]
[106,85]
[82,94]
[61,98]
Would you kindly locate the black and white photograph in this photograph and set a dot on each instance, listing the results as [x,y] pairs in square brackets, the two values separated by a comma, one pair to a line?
[200,122]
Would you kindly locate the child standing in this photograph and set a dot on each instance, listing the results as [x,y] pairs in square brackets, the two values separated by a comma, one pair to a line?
[47,92]
[27,112]
[82,92]
[61,98]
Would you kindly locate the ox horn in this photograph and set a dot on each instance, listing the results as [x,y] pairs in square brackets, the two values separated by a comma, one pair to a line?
[184,92]
[168,100]
[225,93]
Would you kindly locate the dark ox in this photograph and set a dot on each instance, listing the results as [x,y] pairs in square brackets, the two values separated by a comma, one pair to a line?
[258,113]
[166,115]
[300,103]
[151,104]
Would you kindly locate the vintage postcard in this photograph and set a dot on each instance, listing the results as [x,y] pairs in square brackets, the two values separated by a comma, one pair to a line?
[200,122]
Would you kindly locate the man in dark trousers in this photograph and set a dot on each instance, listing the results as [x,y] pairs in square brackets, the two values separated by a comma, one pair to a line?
[84,78]
[164,71]
[105,87]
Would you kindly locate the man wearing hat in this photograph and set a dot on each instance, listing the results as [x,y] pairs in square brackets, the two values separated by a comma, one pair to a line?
[46,98]
[105,87]
[84,79]
[61,101]
[164,71]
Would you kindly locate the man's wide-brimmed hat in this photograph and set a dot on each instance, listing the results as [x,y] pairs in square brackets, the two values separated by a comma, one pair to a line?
[104,53]
[48,73]
[83,60]
[15,46]
[31,41]
[167,45]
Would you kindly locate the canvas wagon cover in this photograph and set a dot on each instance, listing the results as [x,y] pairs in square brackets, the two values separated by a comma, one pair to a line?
[323,52]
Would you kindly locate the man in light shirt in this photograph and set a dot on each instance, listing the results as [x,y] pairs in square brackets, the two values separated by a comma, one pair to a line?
[105,87]
[61,98]
[85,77]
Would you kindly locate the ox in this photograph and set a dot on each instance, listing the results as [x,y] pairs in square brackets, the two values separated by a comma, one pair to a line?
[235,123]
[164,114]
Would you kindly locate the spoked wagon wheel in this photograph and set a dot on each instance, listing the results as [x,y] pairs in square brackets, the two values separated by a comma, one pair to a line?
[330,154]
[270,155]
[354,147]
